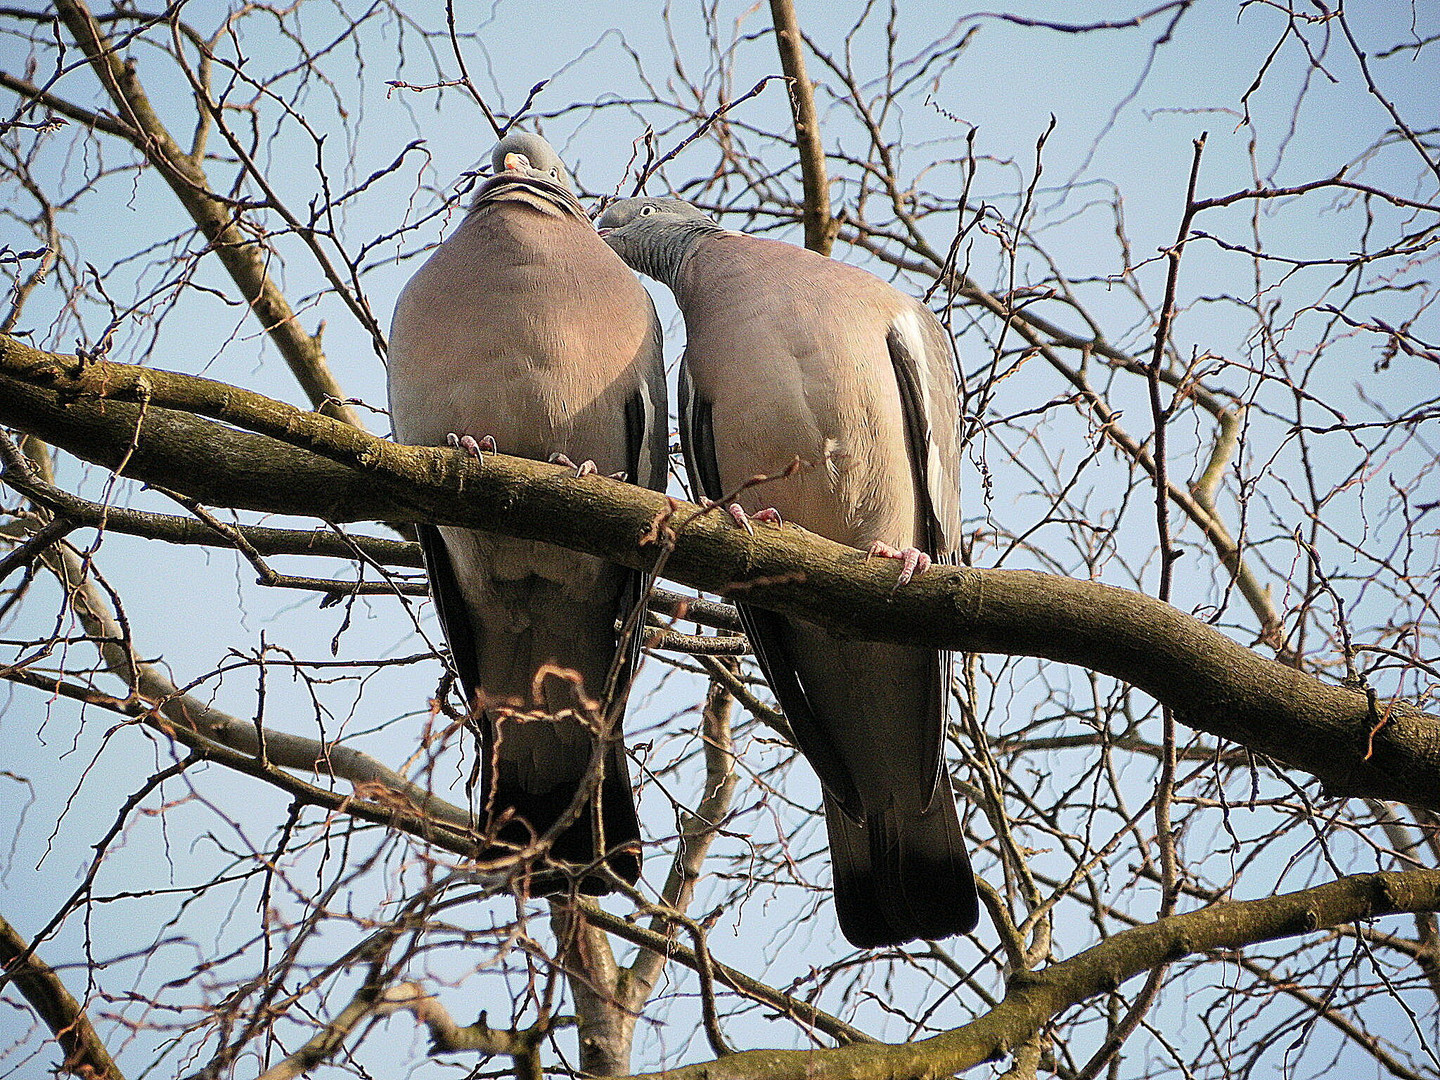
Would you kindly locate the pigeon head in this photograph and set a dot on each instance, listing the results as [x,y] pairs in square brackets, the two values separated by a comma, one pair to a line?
[653,235]
[530,155]
[648,213]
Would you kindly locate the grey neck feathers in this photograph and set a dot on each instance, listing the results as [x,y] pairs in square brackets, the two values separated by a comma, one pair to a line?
[662,252]
[541,195]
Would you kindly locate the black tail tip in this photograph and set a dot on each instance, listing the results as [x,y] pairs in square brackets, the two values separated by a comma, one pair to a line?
[929,894]
[872,922]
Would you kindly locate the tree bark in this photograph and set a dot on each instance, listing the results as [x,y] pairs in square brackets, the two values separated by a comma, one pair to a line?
[1034,1000]
[297,462]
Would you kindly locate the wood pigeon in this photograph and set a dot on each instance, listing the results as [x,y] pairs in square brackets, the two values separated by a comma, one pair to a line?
[524,331]
[790,355]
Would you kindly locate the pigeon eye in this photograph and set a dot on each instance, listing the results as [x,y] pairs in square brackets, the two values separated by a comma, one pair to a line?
[646,211]
[555,171]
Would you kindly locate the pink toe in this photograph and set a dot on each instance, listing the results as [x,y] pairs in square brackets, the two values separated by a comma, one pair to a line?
[738,515]
[469,445]
[913,561]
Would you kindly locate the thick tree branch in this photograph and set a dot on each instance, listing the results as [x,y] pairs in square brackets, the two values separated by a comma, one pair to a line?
[85,1054]
[605,1022]
[85,513]
[1355,746]
[1032,1002]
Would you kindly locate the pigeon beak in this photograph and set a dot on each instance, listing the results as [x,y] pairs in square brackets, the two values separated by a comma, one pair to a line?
[516,162]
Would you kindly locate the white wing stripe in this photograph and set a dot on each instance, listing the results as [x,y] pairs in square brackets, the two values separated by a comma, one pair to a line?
[939,473]
[645,471]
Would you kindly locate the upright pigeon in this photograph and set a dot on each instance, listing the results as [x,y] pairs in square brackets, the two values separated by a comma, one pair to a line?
[790,355]
[524,331]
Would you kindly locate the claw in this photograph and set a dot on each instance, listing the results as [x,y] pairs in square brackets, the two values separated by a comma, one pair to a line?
[913,561]
[470,446]
[585,468]
[738,515]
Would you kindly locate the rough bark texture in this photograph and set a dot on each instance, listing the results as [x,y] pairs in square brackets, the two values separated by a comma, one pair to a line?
[1386,750]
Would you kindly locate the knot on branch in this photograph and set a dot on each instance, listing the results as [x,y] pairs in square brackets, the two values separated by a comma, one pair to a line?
[1181,947]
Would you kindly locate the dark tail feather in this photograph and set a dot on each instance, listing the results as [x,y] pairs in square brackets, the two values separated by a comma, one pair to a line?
[902,875]
[858,906]
[536,812]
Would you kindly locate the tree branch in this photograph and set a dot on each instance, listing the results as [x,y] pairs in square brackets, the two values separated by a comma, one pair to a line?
[243,258]
[448,1037]
[1034,1000]
[85,1054]
[1386,750]
[802,1012]
[819,224]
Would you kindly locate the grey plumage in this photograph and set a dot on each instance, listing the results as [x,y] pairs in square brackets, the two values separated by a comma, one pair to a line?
[790,354]
[524,326]
[539,157]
